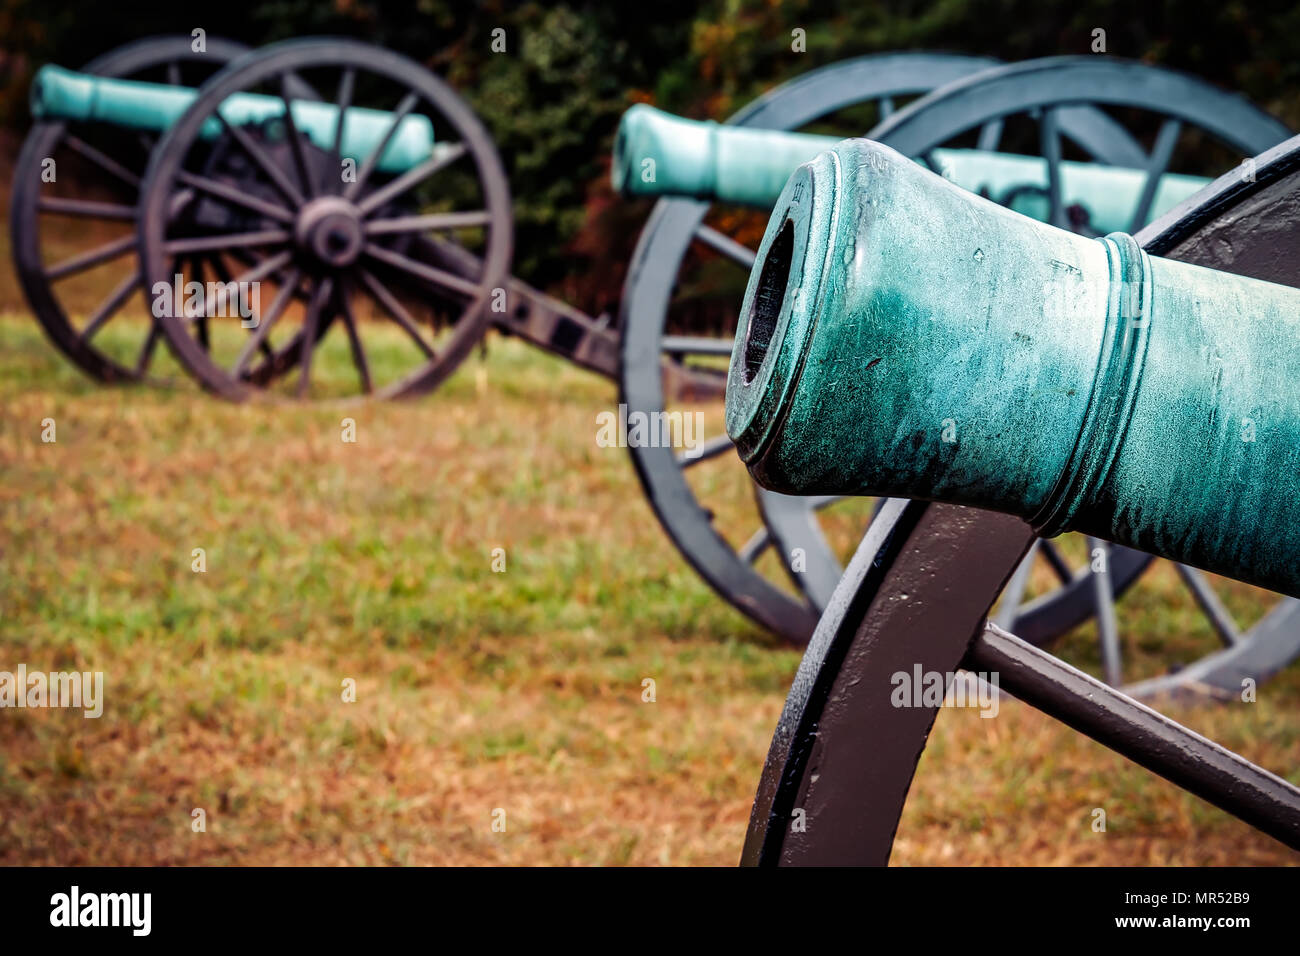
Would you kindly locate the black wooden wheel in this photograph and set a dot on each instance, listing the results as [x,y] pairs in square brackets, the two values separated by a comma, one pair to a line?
[405,258]
[789,527]
[97,175]
[843,756]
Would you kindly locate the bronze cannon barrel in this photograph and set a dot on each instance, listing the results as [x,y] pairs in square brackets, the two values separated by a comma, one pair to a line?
[659,154]
[59,94]
[901,336]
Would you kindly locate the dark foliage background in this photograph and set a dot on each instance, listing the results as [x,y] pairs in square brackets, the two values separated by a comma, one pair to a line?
[554,98]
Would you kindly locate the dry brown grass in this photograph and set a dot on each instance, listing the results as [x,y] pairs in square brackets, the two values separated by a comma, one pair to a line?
[476,690]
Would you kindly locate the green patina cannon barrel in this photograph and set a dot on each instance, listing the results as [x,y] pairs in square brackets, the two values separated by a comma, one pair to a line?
[59,94]
[901,336]
[659,154]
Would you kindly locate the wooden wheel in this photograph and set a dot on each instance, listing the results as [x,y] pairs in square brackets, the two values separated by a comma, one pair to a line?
[359,218]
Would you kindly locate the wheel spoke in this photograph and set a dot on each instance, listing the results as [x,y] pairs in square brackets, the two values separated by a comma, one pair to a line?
[96,256]
[354,339]
[403,108]
[259,156]
[265,267]
[753,549]
[1057,563]
[232,195]
[396,310]
[695,345]
[146,351]
[263,237]
[411,178]
[428,273]
[1143,735]
[1049,138]
[1107,623]
[85,208]
[260,271]
[712,448]
[295,144]
[309,326]
[428,223]
[990,136]
[219,269]
[1208,601]
[174,73]
[110,306]
[1014,593]
[110,166]
[341,102]
[1157,163]
[201,324]
[733,250]
[267,319]
[885,105]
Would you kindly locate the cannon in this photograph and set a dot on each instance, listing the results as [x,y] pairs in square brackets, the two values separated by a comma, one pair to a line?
[1049,99]
[234,210]
[658,154]
[58,94]
[920,589]
[102,195]
[906,338]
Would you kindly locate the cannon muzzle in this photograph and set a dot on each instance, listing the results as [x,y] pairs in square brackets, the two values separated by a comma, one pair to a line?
[59,94]
[659,154]
[901,336]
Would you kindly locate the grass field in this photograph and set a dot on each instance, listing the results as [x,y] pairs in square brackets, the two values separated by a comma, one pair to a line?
[475,690]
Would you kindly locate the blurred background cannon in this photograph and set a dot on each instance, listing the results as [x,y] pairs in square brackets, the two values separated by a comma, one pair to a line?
[657,154]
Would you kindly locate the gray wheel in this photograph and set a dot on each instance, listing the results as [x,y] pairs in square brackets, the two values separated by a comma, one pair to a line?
[97,183]
[675,230]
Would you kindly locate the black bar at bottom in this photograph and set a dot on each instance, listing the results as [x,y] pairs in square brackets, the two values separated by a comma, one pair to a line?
[330,908]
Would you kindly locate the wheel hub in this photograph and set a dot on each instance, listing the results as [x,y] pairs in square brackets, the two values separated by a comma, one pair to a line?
[329,229]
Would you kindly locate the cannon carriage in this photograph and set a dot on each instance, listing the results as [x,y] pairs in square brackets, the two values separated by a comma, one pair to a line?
[267,177]
[919,592]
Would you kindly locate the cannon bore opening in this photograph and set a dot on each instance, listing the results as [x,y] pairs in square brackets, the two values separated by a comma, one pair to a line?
[768,298]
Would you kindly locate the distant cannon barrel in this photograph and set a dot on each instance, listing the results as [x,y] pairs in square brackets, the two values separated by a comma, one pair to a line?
[659,154]
[901,336]
[59,94]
